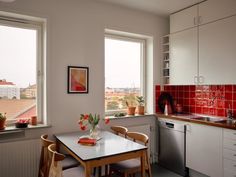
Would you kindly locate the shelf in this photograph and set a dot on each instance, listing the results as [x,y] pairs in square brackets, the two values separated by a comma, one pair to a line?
[165,53]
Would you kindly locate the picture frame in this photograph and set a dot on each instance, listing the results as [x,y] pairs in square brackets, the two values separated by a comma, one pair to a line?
[78,79]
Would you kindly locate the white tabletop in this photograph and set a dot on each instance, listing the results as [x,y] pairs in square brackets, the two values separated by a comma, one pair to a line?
[109,144]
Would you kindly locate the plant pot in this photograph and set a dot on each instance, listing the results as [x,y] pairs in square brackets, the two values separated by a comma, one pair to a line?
[141,110]
[2,124]
[131,110]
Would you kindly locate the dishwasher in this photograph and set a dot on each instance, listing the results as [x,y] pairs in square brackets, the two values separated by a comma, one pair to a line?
[172,152]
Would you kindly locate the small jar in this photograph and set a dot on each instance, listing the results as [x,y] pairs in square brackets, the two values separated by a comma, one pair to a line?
[34,120]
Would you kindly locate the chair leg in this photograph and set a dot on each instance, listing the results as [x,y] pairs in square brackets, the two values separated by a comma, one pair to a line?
[99,171]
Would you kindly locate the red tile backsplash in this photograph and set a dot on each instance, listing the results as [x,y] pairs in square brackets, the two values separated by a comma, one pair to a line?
[203,99]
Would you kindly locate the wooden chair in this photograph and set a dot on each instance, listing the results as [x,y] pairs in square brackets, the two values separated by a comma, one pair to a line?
[58,157]
[130,167]
[120,130]
[69,161]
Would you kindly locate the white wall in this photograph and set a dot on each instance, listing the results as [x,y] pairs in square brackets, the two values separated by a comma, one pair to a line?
[76,37]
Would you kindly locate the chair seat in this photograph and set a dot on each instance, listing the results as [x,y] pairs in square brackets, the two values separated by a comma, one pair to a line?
[74,172]
[69,162]
[126,165]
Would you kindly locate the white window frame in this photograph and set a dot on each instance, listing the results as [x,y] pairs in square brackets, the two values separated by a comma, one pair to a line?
[38,24]
[142,63]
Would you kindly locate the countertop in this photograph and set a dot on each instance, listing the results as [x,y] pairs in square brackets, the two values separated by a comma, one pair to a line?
[188,118]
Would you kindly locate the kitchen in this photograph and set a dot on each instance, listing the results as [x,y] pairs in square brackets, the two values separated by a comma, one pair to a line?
[200,80]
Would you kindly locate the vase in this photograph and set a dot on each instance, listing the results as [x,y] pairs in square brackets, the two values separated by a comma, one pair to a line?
[94,131]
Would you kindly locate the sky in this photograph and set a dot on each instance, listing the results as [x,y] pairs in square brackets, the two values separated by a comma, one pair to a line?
[122,64]
[18,55]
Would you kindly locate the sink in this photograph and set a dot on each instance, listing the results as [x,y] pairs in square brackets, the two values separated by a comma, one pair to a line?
[209,119]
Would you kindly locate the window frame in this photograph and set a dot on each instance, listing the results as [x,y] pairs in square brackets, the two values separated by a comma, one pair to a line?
[143,50]
[38,24]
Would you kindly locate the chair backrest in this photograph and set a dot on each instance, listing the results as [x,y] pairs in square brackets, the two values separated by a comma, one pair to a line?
[57,156]
[136,136]
[119,130]
[43,165]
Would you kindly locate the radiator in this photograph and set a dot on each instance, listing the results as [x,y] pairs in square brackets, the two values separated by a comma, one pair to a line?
[20,158]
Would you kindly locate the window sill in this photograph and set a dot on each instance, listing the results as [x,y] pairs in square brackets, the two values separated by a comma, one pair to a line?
[13,129]
[130,116]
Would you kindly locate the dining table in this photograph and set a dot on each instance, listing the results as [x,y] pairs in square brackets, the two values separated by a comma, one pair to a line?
[109,148]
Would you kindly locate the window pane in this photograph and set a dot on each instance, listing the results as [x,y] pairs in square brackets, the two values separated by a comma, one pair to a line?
[18,72]
[122,73]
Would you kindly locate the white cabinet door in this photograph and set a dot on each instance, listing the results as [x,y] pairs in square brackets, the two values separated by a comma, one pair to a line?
[217,52]
[204,149]
[212,10]
[184,19]
[183,57]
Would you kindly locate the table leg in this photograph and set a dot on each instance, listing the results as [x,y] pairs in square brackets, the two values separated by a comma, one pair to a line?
[87,170]
[143,164]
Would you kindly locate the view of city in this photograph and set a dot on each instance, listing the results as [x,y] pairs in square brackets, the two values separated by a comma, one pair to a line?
[115,98]
[17,102]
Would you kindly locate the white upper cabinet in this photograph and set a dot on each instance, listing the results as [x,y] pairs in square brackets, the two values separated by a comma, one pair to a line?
[217,52]
[212,10]
[184,19]
[183,57]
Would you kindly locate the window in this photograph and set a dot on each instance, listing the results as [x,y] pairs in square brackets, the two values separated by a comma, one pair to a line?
[124,72]
[21,69]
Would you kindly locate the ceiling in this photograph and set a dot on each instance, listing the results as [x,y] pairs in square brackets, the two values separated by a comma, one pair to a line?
[159,7]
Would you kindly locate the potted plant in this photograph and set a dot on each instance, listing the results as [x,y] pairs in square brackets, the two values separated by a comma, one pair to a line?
[131,108]
[2,120]
[140,101]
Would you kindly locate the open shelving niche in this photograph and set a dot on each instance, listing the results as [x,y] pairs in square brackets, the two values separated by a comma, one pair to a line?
[166,60]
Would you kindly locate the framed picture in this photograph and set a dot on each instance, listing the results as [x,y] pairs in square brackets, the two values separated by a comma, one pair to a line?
[78,79]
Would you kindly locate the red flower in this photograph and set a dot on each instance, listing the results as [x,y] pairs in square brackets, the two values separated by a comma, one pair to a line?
[82,127]
[86,116]
[107,120]
[80,122]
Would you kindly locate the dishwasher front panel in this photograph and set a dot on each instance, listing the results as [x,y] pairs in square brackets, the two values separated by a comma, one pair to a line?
[172,147]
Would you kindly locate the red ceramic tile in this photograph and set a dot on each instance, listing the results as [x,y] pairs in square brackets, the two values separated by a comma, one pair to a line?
[192,109]
[228,88]
[234,88]
[192,88]
[186,102]
[186,88]
[181,95]
[186,109]
[212,111]
[158,87]
[205,110]
[234,104]
[220,112]
[213,87]
[228,96]
[186,94]
[234,96]
[181,88]
[192,102]
[192,95]
[199,110]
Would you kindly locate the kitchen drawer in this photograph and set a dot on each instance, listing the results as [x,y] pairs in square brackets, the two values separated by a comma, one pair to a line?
[229,154]
[228,173]
[230,165]
[230,144]
[230,134]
